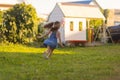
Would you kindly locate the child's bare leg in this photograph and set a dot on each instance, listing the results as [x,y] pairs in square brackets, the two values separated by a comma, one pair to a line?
[50,53]
[46,52]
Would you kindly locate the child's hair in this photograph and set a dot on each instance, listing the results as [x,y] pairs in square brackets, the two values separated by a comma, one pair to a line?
[53,25]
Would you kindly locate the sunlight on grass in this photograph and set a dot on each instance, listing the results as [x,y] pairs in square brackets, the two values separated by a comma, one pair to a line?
[58,51]
[26,49]
[69,63]
[20,48]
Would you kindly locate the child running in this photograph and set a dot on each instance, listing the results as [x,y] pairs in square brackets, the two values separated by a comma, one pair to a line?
[54,35]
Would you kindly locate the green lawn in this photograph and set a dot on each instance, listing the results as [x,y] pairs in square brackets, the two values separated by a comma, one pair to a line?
[19,62]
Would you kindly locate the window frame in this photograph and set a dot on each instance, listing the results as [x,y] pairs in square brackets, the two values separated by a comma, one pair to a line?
[80,26]
[71,25]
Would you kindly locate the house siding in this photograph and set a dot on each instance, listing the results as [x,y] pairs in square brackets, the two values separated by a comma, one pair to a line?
[76,14]
[113,17]
[75,35]
[56,14]
[5,6]
[110,18]
[117,17]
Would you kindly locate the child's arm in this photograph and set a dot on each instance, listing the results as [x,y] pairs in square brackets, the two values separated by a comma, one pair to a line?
[44,34]
[59,38]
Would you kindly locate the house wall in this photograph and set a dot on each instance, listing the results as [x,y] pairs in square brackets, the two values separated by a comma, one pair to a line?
[117,17]
[113,17]
[110,18]
[5,6]
[75,35]
[55,15]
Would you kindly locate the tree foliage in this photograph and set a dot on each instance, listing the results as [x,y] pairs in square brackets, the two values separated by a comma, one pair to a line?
[2,29]
[106,14]
[20,23]
[94,23]
[98,22]
[1,15]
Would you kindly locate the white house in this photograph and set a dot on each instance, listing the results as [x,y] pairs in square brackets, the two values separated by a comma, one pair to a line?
[111,5]
[75,18]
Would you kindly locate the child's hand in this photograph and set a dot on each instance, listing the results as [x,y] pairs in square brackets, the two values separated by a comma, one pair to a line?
[39,36]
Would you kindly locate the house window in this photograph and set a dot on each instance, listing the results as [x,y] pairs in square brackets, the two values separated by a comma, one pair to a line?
[71,25]
[80,26]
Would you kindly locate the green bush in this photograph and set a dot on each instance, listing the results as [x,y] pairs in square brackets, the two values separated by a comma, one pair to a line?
[20,23]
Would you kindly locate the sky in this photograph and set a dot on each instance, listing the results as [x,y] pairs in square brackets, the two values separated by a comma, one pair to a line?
[46,6]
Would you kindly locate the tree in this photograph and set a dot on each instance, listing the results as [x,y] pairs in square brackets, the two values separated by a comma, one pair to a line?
[41,31]
[95,23]
[20,23]
[106,14]
[2,29]
[1,19]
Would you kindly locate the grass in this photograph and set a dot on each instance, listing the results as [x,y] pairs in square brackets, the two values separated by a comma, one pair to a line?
[18,62]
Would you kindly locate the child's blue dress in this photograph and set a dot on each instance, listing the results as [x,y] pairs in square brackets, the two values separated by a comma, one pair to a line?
[51,41]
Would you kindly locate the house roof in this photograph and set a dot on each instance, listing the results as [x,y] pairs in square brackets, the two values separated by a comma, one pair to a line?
[104,4]
[11,2]
[80,10]
[6,5]
[83,2]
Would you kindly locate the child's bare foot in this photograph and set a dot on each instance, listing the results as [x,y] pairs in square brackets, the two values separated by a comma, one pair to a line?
[44,55]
